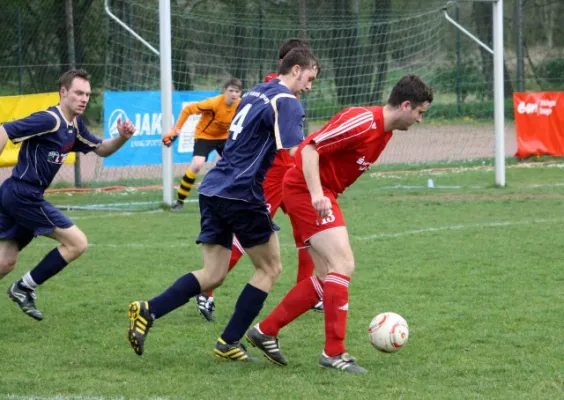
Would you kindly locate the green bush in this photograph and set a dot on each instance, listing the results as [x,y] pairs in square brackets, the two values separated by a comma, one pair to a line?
[483,110]
[471,80]
[552,72]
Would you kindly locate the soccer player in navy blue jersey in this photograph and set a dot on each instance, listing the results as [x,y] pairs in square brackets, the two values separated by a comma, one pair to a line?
[269,118]
[47,137]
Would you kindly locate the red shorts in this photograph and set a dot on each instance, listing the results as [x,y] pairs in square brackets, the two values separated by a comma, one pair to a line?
[272,185]
[273,196]
[304,218]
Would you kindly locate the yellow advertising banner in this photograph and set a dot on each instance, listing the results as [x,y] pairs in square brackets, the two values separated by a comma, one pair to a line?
[16,107]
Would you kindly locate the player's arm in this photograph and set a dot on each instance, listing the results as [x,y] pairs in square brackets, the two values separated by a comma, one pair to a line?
[310,168]
[190,109]
[36,124]
[3,138]
[110,146]
[292,151]
[288,122]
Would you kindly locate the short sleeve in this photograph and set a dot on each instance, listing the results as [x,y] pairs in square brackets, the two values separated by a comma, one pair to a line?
[343,131]
[85,140]
[288,121]
[35,125]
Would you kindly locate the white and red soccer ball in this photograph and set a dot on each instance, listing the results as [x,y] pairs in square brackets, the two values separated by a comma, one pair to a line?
[388,332]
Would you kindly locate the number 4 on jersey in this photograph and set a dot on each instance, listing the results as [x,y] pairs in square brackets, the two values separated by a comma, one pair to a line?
[237,122]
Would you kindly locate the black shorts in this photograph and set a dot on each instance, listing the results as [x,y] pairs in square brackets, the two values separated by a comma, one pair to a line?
[203,147]
[222,218]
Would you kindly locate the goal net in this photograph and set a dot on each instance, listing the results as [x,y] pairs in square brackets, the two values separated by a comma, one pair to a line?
[363,51]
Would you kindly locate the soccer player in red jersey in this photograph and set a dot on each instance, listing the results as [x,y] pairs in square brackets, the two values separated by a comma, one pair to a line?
[327,162]
[273,193]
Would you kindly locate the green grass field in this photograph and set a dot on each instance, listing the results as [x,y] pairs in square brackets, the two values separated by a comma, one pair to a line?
[477,271]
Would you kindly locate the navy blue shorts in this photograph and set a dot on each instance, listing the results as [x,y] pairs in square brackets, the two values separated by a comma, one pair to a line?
[222,218]
[24,213]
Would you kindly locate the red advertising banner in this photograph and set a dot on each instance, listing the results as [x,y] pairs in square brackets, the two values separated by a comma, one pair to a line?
[539,121]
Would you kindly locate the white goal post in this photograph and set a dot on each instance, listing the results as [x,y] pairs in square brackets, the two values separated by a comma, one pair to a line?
[165,56]
[497,52]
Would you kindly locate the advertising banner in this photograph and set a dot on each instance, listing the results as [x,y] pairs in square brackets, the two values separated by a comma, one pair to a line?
[144,111]
[539,121]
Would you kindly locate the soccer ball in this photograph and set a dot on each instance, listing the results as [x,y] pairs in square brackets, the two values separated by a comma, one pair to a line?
[388,332]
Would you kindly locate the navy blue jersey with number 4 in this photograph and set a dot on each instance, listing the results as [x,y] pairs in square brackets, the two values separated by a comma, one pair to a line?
[269,118]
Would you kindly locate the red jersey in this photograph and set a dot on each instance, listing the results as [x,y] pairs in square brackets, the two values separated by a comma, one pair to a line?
[347,145]
[283,160]
[270,77]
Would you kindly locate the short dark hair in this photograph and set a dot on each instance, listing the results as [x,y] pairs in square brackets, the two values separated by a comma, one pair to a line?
[233,82]
[410,88]
[66,79]
[302,57]
[291,44]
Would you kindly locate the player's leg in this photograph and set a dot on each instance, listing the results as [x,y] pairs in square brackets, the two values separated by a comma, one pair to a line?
[13,237]
[216,239]
[142,314]
[39,217]
[306,269]
[202,148]
[256,233]
[332,248]
[266,259]
[9,252]
[306,265]
[297,301]
[307,292]
[300,299]
[188,180]
[273,195]
[215,258]
[204,301]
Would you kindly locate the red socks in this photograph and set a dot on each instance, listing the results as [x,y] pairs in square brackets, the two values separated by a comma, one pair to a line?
[299,299]
[305,265]
[336,306]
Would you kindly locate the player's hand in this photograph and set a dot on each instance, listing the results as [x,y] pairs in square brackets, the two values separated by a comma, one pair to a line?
[322,205]
[170,137]
[125,129]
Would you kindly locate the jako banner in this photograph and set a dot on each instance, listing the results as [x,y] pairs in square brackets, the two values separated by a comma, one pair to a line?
[539,120]
[144,111]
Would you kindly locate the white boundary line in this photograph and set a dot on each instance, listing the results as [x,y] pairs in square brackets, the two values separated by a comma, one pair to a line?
[114,215]
[390,235]
[113,206]
[415,232]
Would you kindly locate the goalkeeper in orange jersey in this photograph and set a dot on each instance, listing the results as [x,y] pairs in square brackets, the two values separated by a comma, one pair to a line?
[211,132]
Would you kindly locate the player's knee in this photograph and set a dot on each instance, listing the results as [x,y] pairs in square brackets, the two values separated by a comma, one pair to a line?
[209,278]
[273,270]
[78,245]
[342,265]
[196,167]
[7,264]
[215,281]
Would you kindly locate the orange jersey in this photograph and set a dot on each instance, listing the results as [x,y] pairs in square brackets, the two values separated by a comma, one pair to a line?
[215,120]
